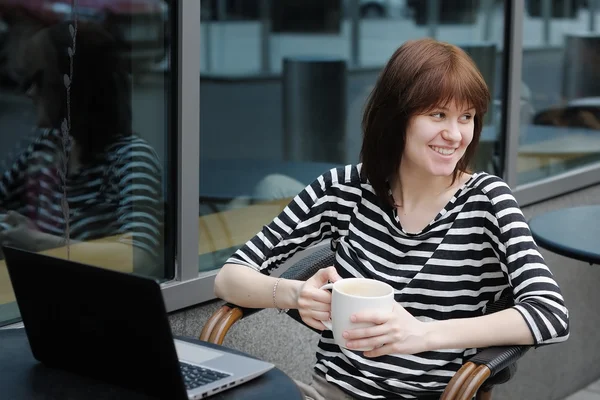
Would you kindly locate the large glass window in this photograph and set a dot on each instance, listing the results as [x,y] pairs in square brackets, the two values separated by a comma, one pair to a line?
[560,120]
[85,112]
[283,86]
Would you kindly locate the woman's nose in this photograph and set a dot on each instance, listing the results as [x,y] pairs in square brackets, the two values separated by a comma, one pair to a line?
[31,91]
[452,133]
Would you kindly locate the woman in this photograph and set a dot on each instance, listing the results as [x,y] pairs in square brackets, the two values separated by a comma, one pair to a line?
[411,214]
[87,175]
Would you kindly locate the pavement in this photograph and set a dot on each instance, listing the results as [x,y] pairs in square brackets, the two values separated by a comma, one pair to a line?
[591,392]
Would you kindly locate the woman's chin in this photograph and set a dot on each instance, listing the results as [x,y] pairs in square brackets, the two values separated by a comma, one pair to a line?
[445,171]
[43,124]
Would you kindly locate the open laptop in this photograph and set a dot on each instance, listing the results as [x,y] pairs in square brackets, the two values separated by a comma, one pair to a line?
[113,327]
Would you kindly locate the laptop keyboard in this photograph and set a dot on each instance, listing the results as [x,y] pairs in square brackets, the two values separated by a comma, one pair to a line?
[195,376]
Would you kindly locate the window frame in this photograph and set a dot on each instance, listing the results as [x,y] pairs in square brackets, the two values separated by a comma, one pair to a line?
[188,287]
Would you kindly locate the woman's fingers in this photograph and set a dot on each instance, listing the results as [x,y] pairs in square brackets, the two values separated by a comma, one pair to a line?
[312,309]
[319,295]
[370,343]
[314,305]
[309,304]
[314,299]
[14,218]
[318,315]
[362,333]
[314,323]
[381,350]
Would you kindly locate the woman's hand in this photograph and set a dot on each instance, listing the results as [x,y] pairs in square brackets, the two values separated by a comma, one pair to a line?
[314,304]
[24,234]
[395,332]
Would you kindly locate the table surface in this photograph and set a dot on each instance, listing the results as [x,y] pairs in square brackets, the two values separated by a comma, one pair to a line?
[572,232]
[218,231]
[573,144]
[22,377]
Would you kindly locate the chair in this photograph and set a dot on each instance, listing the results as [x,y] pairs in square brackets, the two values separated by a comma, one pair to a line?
[489,367]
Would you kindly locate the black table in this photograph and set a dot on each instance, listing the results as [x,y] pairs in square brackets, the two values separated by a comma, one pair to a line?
[572,232]
[24,378]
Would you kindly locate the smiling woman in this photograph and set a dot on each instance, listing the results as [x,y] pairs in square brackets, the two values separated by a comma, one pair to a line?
[450,242]
[430,77]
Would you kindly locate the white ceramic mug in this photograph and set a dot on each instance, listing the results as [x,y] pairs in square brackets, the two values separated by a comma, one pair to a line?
[352,295]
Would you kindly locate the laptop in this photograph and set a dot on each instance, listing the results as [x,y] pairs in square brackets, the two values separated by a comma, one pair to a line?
[113,327]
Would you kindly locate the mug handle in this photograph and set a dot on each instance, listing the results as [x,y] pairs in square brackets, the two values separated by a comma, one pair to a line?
[327,324]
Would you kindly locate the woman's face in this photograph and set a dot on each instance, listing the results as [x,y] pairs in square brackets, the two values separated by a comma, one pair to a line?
[34,92]
[436,141]
[42,84]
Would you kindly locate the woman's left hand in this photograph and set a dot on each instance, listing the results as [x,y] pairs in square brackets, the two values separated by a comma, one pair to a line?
[395,332]
[24,234]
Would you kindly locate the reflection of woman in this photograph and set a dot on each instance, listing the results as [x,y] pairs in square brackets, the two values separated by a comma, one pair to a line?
[449,241]
[112,178]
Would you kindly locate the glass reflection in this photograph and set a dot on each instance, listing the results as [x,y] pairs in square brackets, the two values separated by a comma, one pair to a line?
[83,122]
[561,50]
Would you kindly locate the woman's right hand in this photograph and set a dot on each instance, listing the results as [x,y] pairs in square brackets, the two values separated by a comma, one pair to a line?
[314,303]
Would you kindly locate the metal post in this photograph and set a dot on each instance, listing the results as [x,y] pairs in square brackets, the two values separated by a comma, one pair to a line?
[484,56]
[221,11]
[354,33]
[580,76]
[546,16]
[207,30]
[592,16]
[512,100]
[265,32]
[488,12]
[314,109]
[188,139]
[433,17]
[567,8]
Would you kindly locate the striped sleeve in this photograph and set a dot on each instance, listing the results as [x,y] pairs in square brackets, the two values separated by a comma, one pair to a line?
[312,216]
[536,294]
[139,213]
[12,180]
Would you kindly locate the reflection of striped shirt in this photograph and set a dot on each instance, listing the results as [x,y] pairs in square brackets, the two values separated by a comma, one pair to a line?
[476,250]
[118,192]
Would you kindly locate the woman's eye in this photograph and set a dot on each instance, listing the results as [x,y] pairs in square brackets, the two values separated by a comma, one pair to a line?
[438,115]
[467,117]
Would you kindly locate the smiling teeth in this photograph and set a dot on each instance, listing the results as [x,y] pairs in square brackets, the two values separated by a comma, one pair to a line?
[443,151]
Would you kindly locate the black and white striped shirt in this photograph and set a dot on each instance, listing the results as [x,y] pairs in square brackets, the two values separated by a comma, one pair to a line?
[117,193]
[476,250]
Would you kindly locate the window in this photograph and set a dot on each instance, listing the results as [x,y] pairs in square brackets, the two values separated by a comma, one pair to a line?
[282,95]
[86,159]
[560,98]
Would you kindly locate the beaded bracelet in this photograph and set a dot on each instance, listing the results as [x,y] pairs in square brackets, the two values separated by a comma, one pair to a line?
[280,310]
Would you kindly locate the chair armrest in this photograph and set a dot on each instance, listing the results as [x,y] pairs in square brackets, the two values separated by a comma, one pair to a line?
[214,319]
[219,323]
[481,369]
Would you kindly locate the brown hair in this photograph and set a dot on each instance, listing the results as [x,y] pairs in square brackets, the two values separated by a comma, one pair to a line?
[420,76]
[99,104]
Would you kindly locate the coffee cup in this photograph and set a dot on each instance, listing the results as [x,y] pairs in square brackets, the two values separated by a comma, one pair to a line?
[352,295]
